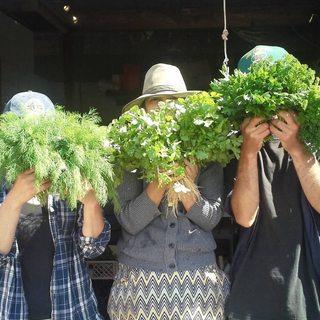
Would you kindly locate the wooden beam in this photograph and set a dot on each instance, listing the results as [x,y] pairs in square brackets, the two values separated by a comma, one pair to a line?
[55,18]
[198,18]
[47,11]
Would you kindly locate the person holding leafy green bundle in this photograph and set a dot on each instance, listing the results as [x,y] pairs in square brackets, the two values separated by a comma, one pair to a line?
[43,273]
[275,199]
[167,259]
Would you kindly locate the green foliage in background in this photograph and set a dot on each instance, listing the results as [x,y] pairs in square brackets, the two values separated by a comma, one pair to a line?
[67,148]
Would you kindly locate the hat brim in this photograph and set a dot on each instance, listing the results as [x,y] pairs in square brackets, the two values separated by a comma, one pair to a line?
[138,101]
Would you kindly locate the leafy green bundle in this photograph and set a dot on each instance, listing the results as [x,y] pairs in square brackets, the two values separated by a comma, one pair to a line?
[204,132]
[270,86]
[147,142]
[309,119]
[157,143]
[67,148]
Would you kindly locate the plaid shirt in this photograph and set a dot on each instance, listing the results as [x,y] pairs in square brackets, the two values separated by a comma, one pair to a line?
[72,295]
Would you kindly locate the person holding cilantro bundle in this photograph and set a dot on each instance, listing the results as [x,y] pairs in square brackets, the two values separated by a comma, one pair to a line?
[43,273]
[168,266]
[275,199]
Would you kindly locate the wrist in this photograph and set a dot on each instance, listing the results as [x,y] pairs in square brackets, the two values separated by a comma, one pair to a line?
[14,201]
[299,152]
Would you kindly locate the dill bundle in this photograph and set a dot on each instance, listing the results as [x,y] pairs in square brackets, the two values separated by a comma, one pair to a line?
[67,148]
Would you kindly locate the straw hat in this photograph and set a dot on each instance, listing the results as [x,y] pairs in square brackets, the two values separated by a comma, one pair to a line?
[161,79]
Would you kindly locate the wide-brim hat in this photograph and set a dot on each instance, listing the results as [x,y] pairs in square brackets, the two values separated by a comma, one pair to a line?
[161,79]
[258,53]
[29,101]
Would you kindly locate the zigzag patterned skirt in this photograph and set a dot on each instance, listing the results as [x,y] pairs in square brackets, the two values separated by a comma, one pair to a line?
[138,294]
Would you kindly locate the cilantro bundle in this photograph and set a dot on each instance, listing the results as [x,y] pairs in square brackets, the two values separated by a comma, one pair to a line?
[147,142]
[67,148]
[270,86]
[157,143]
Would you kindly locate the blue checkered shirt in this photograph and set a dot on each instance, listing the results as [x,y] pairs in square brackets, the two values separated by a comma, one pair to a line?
[72,295]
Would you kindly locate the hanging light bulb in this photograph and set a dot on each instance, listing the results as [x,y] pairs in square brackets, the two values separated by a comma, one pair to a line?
[74,19]
[66,8]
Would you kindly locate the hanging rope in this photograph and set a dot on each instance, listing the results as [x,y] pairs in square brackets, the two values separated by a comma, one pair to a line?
[224,35]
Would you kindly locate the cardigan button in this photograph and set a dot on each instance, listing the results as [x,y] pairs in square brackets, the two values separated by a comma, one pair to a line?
[172,225]
[172,265]
[171,245]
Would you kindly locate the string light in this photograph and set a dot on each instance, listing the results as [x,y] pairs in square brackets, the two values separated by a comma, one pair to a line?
[67,8]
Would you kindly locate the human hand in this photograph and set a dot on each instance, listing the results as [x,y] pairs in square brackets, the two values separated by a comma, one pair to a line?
[93,223]
[191,170]
[24,187]
[287,130]
[89,198]
[253,131]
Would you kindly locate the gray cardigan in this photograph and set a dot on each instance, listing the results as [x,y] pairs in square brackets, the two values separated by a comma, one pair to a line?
[154,239]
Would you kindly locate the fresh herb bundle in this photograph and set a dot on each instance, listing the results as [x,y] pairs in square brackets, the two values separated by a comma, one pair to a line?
[205,134]
[67,148]
[157,143]
[268,87]
[147,142]
[309,119]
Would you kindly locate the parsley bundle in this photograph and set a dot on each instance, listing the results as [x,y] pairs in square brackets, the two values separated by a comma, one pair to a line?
[309,119]
[67,148]
[157,143]
[270,86]
[205,134]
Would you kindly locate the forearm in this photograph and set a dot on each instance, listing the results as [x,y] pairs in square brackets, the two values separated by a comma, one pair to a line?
[137,208]
[308,171]
[93,222]
[207,211]
[245,196]
[137,213]
[189,201]
[9,217]
[22,190]
[93,247]
[206,214]
[155,193]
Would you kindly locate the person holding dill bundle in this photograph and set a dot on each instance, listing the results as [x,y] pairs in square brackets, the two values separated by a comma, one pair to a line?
[168,266]
[43,272]
[275,271]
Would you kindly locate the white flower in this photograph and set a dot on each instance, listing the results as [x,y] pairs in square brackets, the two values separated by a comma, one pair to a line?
[178,187]
[149,121]
[198,122]
[106,143]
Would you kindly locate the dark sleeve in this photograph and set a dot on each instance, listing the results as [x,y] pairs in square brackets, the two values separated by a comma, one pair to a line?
[229,173]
